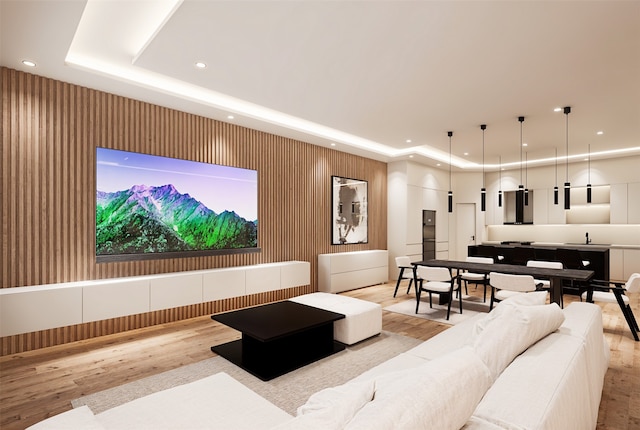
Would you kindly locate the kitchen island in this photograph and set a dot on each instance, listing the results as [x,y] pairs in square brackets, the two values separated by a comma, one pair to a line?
[569,254]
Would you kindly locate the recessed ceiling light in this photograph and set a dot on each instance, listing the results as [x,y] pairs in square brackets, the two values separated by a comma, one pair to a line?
[200,65]
[600,132]
[230,116]
[466,153]
[29,63]
[525,144]
[408,140]
[410,156]
[558,109]
[333,144]
[438,164]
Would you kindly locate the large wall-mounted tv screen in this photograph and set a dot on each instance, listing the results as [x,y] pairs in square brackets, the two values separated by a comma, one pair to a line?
[157,207]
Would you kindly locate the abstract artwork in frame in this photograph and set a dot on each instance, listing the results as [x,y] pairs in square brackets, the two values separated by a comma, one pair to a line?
[348,211]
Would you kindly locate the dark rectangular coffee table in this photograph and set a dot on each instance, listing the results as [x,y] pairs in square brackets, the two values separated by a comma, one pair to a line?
[278,338]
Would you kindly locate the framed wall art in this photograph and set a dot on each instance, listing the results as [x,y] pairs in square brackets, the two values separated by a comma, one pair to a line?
[348,211]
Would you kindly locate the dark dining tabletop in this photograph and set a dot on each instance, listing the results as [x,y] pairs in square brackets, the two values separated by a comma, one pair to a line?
[555,276]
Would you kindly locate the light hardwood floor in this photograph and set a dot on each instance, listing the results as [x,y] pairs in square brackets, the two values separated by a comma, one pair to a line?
[39,384]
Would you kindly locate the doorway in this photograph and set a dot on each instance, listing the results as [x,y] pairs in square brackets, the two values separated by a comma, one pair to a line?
[465,229]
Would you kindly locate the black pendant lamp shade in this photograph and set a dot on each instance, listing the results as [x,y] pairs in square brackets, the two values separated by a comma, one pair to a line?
[450,193]
[567,184]
[520,192]
[483,190]
[555,189]
[589,179]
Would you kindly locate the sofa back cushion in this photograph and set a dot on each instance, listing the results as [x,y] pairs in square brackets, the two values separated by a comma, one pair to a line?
[511,329]
[440,394]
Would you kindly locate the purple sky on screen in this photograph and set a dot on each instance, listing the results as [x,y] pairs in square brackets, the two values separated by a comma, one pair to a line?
[218,187]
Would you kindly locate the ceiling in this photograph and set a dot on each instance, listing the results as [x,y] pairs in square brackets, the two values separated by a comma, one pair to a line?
[365,76]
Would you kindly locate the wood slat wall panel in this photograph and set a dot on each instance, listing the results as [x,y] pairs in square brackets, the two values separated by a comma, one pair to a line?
[50,130]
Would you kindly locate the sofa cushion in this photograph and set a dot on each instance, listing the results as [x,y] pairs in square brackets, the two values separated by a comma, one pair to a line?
[536,298]
[331,408]
[512,330]
[441,394]
[546,387]
[78,418]
[217,399]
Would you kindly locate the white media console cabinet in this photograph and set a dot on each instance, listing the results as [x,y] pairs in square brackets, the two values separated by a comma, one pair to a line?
[344,271]
[42,307]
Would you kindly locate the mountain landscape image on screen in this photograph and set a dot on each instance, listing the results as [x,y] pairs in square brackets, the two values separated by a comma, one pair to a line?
[154,219]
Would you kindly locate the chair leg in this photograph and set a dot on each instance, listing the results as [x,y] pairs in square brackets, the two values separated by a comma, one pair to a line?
[484,295]
[418,292]
[628,315]
[430,300]
[633,318]
[409,286]
[449,305]
[492,299]
[398,282]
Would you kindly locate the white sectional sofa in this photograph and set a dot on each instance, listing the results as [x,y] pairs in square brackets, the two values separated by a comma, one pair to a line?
[523,366]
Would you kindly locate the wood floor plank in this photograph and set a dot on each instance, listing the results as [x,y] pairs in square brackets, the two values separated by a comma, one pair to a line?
[42,383]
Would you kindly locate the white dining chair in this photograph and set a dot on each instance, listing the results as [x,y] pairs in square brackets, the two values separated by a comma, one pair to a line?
[545,284]
[436,280]
[614,292]
[477,278]
[506,285]
[404,263]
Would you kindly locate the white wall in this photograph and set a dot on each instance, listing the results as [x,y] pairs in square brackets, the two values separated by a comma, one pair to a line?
[411,189]
[621,174]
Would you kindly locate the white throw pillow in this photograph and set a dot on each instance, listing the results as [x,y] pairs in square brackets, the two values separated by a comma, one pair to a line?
[331,408]
[535,298]
[440,394]
[512,331]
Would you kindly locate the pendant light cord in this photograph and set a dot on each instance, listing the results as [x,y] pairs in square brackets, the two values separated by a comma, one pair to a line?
[556,167]
[589,166]
[566,114]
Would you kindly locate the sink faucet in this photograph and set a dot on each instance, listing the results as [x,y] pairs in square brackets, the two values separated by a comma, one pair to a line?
[587,238]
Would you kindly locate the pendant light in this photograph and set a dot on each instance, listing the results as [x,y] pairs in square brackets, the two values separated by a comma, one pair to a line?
[589,177]
[567,184]
[483,190]
[526,180]
[555,189]
[520,192]
[500,182]
[450,193]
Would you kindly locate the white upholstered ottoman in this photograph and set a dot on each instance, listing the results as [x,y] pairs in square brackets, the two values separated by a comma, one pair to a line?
[362,320]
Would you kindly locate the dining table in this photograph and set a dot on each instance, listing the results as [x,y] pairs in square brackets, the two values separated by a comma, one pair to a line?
[555,276]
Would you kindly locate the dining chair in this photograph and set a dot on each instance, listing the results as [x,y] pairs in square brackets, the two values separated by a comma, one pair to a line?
[614,292]
[505,286]
[545,284]
[436,280]
[477,278]
[403,263]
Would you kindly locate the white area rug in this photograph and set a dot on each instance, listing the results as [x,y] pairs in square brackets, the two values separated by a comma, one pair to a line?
[471,306]
[288,391]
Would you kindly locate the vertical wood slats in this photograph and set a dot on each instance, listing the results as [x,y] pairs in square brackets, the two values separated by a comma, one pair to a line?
[50,131]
